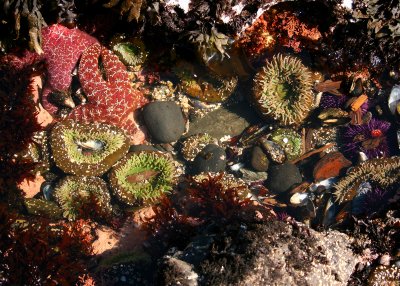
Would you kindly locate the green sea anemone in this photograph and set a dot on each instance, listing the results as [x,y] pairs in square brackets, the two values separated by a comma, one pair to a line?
[131,53]
[83,197]
[87,148]
[142,177]
[289,140]
[282,90]
[382,172]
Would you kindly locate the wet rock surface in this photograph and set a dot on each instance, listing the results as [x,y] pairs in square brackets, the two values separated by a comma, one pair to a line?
[211,159]
[164,121]
[224,121]
[259,161]
[271,254]
[282,177]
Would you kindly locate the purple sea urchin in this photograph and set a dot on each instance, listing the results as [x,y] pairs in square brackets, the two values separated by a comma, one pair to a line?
[82,197]
[142,176]
[282,90]
[87,148]
[368,138]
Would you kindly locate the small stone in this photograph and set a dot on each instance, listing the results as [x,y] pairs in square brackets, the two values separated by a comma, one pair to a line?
[384,260]
[331,165]
[282,177]
[211,159]
[142,147]
[259,160]
[164,121]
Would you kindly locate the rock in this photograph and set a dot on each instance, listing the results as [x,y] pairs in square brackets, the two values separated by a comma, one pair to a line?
[224,121]
[211,159]
[177,272]
[258,159]
[142,147]
[273,253]
[282,177]
[331,165]
[164,121]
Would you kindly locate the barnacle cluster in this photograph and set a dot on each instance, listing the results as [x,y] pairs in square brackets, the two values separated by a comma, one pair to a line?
[282,90]
[80,197]
[194,144]
[87,148]
[142,177]
[382,172]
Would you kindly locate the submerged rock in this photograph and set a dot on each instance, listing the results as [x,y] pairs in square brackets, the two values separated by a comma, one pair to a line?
[273,253]
[211,159]
[282,177]
[164,120]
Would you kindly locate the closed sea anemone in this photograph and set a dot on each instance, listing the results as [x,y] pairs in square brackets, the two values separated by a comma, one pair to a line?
[289,140]
[142,177]
[87,148]
[368,138]
[282,90]
[83,197]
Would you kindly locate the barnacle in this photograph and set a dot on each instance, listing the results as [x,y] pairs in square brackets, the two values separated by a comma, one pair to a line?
[382,172]
[82,197]
[87,148]
[142,177]
[194,144]
[282,90]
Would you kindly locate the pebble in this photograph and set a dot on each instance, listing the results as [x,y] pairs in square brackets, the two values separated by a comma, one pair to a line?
[211,159]
[164,121]
[384,260]
[142,147]
[331,165]
[282,177]
[258,160]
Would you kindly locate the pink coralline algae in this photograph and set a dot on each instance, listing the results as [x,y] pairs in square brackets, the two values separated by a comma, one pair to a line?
[368,138]
[111,98]
[62,49]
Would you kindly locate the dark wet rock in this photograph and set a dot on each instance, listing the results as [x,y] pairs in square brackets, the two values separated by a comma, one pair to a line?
[224,121]
[142,147]
[273,253]
[251,176]
[164,121]
[211,159]
[258,159]
[282,177]
[177,272]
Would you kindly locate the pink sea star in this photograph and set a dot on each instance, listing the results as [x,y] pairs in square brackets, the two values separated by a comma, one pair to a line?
[62,49]
[111,98]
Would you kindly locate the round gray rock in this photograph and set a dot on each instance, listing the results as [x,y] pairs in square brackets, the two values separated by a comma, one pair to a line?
[258,159]
[282,177]
[211,159]
[164,121]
